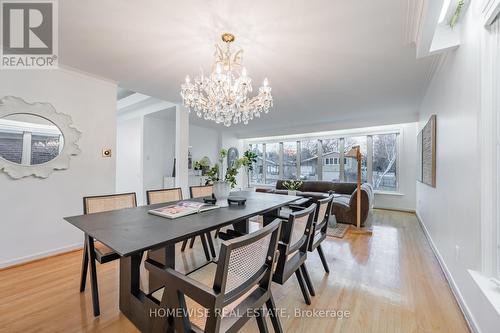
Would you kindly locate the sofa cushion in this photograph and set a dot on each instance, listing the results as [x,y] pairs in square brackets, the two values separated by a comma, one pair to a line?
[344,188]
[342,200]
[314,195]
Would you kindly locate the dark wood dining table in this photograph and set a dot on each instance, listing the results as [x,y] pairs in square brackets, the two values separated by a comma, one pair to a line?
[133,231]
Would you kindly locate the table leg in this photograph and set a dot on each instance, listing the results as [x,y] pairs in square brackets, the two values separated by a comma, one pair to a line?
[165,256]
[270,216]
[93,274]
[131,302]
[242,226]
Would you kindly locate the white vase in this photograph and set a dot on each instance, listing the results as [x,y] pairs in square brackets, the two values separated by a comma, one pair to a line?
[221,193]
[290,192]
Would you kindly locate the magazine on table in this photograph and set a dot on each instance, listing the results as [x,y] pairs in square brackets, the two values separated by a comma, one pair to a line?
[182,208]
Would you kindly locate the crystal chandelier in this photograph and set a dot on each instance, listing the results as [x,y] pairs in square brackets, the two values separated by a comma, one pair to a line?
[223,95]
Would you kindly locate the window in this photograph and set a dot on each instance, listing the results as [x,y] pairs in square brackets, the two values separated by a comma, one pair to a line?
[257,175]
[290,160]
[385,162]
[350,162]
[29,140]
[330,149]
[44,148]
[272,163]
[309,160]
[11,146]
[331,159]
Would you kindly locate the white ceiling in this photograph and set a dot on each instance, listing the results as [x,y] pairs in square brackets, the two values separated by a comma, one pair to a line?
[330,62]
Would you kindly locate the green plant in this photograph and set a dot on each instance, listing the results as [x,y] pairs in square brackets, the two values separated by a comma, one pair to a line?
[250,159]
[456,14]
[292,185]
[216,174]
[202,164]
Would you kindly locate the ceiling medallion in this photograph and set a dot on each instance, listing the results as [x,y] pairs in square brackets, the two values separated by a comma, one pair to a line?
[223,95]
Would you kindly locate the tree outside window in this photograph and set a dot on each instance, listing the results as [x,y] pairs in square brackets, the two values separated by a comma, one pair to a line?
[309,159]
[351,164]
[290,160]
[385,162]
[272,163]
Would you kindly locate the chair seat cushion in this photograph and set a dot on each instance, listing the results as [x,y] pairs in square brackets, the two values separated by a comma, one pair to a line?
[205,275]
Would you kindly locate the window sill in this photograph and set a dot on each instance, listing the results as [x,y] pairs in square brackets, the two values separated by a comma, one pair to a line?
[399,194]
[488,287]
[375,192]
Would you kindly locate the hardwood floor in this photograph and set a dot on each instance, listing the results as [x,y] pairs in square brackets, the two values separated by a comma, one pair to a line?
[388,282]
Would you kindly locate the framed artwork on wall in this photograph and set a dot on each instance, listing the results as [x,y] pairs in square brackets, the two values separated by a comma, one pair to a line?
[426,153]
[419,157]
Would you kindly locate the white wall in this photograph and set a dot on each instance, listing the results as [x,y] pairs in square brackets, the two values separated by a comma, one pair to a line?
[32,209]
[228,140]
[406,197]
[129,157]
[203,142]
[451,211]
[159,151]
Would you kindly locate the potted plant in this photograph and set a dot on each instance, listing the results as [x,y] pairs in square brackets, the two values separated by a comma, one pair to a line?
[223,183]
[202,165]
[292,186]
[249,158]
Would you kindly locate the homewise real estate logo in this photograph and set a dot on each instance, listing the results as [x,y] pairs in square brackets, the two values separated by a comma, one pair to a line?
[29,34]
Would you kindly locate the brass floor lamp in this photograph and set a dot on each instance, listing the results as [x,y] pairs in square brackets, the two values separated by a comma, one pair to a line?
[355,152]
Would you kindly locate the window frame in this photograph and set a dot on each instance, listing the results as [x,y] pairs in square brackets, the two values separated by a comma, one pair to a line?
[29,130]
[341,146]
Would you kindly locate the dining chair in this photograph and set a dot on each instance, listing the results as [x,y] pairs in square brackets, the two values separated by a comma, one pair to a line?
[169,195]
[239,283]
[200,192]
[320,227]
[163,195]
[96,251]
[295,234]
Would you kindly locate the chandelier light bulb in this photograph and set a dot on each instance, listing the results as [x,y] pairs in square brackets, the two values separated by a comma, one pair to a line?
[218,69]
[244,72]
[188,79]
[266,82]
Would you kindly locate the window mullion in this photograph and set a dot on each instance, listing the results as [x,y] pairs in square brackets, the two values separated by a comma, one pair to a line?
[26,155]
[369,158]
[341,162]
[280,170]
[319,165]
[297,158]
[264,163]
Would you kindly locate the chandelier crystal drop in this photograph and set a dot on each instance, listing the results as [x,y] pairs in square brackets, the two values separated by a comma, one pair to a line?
[223,96]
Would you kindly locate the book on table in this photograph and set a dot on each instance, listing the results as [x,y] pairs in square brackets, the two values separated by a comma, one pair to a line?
[182,208]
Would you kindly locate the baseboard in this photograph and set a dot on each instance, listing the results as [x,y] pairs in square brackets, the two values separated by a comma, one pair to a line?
[39,256]
[469,318]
